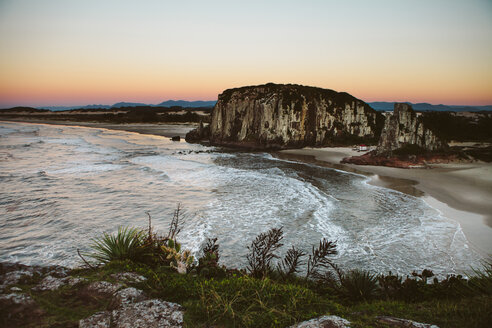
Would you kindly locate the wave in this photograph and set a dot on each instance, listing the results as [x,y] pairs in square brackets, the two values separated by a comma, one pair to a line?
[79,182]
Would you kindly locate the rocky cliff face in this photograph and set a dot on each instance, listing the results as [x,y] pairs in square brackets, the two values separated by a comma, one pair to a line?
[405,128]
[281,116]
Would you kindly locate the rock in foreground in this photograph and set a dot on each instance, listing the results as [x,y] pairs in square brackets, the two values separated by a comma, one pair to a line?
[145,314]
[327,321]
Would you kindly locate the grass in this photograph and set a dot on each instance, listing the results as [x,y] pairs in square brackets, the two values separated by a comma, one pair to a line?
[239,300]
[249,302]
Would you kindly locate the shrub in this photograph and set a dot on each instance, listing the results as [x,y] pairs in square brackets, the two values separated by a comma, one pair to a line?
[262,252]
[208,263]
[391,285]
[320,261]
[179,260]
[144,247]
[167,250]
[481,282]
[358,285]
[291,262]
[126,244]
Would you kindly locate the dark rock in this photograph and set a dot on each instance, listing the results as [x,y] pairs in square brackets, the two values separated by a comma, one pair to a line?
[176,138]
[283,116]
[18,309]
[198,134]
[327,321]
[405,129]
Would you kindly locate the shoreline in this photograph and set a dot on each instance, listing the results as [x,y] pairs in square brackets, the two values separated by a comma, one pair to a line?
[159,129]
[461,192]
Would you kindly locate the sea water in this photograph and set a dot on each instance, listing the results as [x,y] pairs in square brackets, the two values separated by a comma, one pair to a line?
[62,186]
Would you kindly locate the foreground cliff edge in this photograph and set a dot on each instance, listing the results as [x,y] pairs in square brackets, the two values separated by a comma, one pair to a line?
[280,116]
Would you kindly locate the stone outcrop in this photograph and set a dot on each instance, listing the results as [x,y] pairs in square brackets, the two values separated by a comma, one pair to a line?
[327,321]
[405,128]
[52,283]
[289,116]
[403,323]
[198,134]
[145,314]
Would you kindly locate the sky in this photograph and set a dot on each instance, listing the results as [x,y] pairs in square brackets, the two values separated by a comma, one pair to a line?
[64,52]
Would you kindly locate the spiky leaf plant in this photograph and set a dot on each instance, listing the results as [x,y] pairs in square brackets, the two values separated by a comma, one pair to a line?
[126,244]
[319,260]
[262,252]
[291,262]
[358,285]
[481,281]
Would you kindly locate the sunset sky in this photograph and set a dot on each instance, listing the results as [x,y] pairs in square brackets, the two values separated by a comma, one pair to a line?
[101,52]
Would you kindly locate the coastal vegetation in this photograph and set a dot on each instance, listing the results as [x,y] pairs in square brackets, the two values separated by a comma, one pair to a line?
[137,114]
[272,291]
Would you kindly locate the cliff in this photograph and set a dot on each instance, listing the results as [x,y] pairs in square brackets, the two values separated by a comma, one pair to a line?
[283,116]
[404,129]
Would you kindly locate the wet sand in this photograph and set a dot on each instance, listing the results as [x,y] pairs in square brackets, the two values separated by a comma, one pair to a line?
[461,191]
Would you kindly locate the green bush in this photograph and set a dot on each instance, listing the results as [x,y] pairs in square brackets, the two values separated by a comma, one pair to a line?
[358,285]
[126,244]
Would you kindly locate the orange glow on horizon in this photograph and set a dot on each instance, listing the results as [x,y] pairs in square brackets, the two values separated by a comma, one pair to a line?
[78,53]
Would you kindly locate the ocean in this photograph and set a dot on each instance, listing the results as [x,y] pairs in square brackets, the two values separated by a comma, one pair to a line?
[62,186]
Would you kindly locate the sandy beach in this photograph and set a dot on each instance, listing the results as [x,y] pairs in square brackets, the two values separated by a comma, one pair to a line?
[461,192]
[160,129]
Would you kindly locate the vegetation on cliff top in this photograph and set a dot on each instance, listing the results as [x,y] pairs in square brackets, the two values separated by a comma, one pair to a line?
[139,114]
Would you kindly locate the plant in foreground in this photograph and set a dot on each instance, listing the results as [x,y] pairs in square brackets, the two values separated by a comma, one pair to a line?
[482,280]
[291,262]
[126,244]
[358,285]
[319,261]
[144,246]
[262,252]
[179,260]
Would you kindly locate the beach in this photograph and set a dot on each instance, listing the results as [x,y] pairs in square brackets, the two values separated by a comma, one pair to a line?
[460,191]
[159,129]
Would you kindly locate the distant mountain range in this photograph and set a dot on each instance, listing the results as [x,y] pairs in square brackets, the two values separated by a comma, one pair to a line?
[388,106]
[378,105]
[167,103]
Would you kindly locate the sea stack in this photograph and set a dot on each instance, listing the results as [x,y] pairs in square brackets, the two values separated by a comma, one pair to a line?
[405,128]
[290,116]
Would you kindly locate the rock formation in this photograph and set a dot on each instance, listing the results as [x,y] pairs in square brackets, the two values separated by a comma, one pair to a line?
[282,116]
[198,134]
[405,129]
